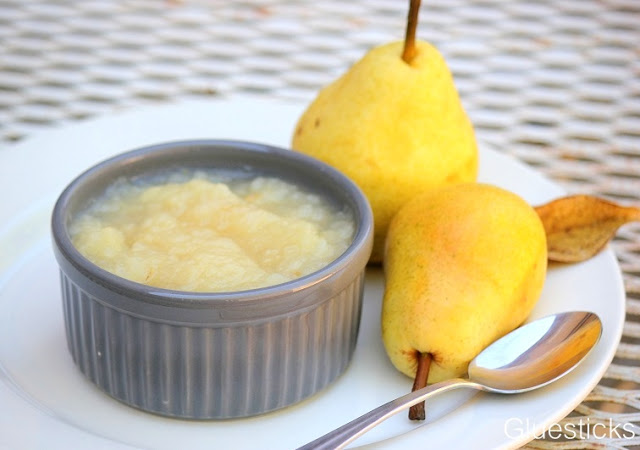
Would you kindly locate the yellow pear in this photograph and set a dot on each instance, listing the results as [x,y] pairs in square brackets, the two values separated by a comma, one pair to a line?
[464,265]
[394,124]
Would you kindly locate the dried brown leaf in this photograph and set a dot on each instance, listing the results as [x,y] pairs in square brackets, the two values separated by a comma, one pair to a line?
[579,226]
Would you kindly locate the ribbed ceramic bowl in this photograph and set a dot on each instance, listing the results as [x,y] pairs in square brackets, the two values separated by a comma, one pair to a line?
[212,355]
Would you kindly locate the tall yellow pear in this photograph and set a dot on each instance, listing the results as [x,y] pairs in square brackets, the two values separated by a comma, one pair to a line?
[394,124]
[464,265]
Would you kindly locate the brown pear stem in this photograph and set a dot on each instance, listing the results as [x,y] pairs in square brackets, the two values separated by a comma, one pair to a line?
[409,50]
[416,412]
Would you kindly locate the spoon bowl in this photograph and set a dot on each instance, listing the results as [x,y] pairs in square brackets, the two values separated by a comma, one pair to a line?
[537,353]
[528,358]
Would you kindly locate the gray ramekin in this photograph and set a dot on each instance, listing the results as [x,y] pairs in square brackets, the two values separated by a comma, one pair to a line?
[212,355]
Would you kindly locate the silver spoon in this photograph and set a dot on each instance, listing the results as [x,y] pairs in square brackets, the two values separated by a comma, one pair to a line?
[529,357]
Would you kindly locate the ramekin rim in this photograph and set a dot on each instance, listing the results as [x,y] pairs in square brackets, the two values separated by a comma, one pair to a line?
[359,249]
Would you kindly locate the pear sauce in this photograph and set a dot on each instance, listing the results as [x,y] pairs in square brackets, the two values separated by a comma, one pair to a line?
[206,235]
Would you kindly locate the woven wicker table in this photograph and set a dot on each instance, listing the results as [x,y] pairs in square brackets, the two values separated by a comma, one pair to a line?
[554,83]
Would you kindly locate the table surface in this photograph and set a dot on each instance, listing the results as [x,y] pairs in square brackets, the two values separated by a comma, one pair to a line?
[554,83]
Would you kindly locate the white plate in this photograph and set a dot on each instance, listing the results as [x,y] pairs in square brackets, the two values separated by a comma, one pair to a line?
[46,402]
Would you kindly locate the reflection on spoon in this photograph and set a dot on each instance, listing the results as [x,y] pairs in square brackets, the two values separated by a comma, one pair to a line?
[529,357]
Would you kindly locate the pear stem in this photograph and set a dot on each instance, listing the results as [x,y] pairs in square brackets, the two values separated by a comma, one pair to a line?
[409,50]
[416,412]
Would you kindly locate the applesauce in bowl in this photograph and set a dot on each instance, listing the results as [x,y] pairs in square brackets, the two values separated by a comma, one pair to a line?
[211,351]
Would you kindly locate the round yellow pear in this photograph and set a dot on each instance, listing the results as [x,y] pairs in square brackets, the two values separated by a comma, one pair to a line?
[464,265]
[396,128]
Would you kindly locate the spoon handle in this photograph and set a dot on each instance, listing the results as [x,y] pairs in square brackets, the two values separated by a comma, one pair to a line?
[347,433]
